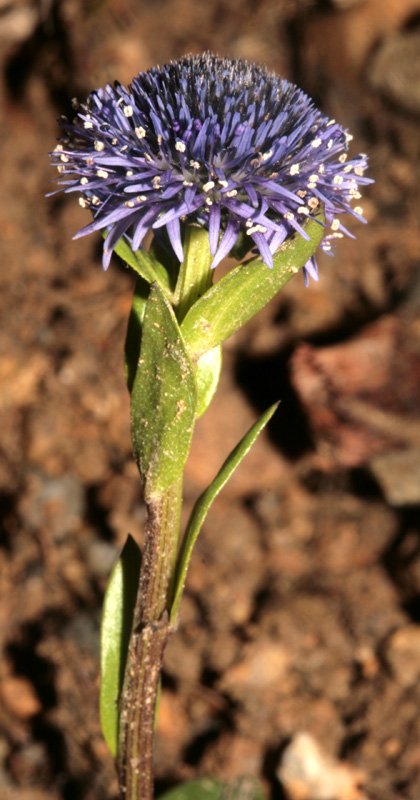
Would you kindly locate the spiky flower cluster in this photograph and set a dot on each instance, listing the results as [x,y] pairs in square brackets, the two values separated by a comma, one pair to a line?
[213,141]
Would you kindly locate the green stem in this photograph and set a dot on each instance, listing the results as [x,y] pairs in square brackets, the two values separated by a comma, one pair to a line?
[150,633]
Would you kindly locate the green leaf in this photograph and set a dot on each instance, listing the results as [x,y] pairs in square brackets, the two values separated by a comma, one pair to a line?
[243,788]
[195,275]
[134,329]
[240,294]
[207,374]
[163,398]
[117,617]
[203,789]
[144,263]
[205,500]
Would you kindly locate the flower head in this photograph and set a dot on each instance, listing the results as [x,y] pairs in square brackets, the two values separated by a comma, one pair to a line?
[213,141]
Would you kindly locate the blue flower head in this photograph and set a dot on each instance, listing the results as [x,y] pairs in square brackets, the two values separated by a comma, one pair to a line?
[212,141]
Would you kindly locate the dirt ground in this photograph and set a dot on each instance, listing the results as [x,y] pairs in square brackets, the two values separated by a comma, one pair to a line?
[303,600]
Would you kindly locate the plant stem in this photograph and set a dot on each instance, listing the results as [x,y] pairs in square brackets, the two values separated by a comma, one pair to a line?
[150,633]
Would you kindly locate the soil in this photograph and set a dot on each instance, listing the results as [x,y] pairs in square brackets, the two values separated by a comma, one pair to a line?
[302,603]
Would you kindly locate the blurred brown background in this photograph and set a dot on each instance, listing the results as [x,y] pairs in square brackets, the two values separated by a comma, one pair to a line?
[303,601]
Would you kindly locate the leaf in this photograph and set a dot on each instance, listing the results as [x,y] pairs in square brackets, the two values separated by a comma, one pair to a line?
[240,294]
[144,263]
[134,330]
[207,374]
[195,275]
[243,788]
[163,398]
[117,617]
[203,789]
[205,501]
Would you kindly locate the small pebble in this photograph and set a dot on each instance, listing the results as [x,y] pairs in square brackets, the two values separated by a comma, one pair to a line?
[306,772]
[402,655]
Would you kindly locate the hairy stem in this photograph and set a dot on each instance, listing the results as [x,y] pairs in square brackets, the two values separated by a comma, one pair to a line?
[150,633]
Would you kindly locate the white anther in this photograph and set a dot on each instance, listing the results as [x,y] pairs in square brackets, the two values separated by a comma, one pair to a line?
[141,198]
[303,210]
[224,184]
[330,143]
[194,164]
[209,202]
[348,168]
[338,180]
[128,111]
[249,223]
[208,186]
[311,185]
[84,181]
[349,137]
[335,224]
[359,171]
[321,169]
[313,203]
[102,173]
[331,122]
[343,158]
[95,200]
[129,204]
[157,182]
[99,146]
[64,158]
[83,203]
[232,193]
[114,141]
[316,142]
[256,229]
[267,155]
[140,132]
[294,169]
[301,193]
[87,125]
[58,148]
[358,210]
[181,147]
[187,183]
[288,215]
[129,173]
[314,178]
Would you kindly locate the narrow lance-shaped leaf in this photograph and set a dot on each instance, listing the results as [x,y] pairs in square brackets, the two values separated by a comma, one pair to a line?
[134,329]
[240,294]
[163,398]
[203,789]
[117,618]
[243,788]
[207,374]
[144,263]
[205,500]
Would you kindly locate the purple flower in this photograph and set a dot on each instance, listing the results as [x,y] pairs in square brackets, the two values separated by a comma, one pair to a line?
[213,141]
